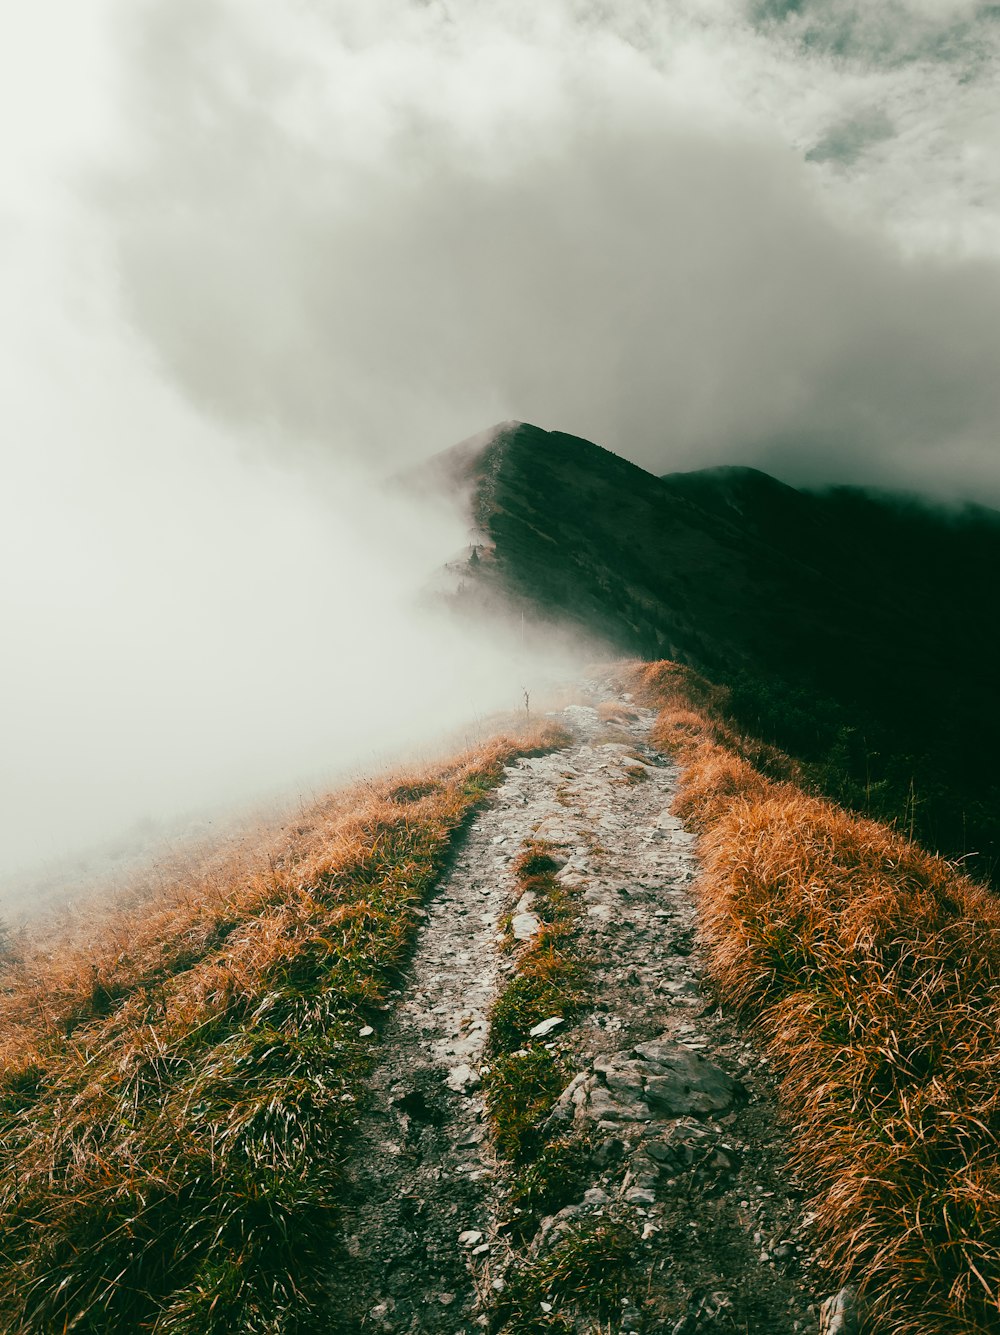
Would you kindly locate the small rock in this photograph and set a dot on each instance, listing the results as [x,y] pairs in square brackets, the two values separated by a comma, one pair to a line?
[603,1106]
[609,1152]
[568,1102]
[660,1150]
[596,1196]
[446,1299]
[839,1314]
[545,1026]
[623,1077]
[462,1079]
[365,1031]
[470,1238]
[640,1196]
[524,926]
[571,876]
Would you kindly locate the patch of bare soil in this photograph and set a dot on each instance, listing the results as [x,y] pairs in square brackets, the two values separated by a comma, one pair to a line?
[680,1172]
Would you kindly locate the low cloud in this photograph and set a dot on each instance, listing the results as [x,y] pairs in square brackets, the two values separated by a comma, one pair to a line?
[378,233]
[895,32]
[190,625]
[844,142]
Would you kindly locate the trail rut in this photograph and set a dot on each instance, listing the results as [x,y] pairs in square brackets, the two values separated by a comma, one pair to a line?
[698,1181]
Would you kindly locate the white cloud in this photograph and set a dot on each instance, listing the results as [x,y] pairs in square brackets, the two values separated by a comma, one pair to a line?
[406,227]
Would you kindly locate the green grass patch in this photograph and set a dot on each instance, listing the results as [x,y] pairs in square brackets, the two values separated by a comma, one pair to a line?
[520,1091]
[528,999]
[549,980]
[526,1079]
[585,1274]
[552,1179]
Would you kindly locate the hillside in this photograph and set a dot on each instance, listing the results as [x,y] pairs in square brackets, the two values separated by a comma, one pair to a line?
[606,1025]
[855,628]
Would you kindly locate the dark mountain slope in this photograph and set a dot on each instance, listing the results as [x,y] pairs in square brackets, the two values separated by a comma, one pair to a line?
[597,541]
[927,574]
[856,629]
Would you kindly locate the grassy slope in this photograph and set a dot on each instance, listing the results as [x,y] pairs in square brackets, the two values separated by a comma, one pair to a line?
[874,970]
[177,1092]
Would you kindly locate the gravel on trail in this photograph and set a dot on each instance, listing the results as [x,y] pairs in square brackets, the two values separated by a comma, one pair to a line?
[674,1099]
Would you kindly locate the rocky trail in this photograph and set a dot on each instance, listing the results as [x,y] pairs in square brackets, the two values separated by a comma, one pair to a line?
[680,1165]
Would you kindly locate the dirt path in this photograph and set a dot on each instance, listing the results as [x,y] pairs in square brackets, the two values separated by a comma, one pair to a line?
[675,1109]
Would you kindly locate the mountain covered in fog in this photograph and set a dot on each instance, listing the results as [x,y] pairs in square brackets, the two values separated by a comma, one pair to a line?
[857,627]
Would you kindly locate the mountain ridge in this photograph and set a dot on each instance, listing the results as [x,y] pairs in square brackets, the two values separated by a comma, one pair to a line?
[842,618]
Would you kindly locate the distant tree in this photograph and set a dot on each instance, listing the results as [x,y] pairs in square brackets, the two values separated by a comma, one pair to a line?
[474,557]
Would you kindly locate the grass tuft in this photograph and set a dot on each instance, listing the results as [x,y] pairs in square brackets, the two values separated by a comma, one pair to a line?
[521,1088]
[554,1178]
[585,1274]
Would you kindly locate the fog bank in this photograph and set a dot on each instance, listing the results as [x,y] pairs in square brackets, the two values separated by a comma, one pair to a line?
[189,624]
[416,220]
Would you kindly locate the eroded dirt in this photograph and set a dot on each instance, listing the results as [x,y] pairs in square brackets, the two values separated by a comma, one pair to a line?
[684,1153]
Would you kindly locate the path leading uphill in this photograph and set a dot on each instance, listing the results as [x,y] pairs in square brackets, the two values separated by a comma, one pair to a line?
[674,1107]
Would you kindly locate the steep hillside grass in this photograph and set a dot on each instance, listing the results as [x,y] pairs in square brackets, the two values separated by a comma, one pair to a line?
[177,1090]
[873,968]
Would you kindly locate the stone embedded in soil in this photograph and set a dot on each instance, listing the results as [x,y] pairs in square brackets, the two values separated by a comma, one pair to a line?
[602,1106]
[659,1079]
[683,1081]
[839,1314]
[524,926]
[622,1076]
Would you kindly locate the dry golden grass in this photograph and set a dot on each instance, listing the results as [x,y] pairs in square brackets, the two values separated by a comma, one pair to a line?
[874,969]
[176,1090]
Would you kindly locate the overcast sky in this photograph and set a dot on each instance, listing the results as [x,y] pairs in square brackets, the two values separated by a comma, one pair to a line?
[253,253]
